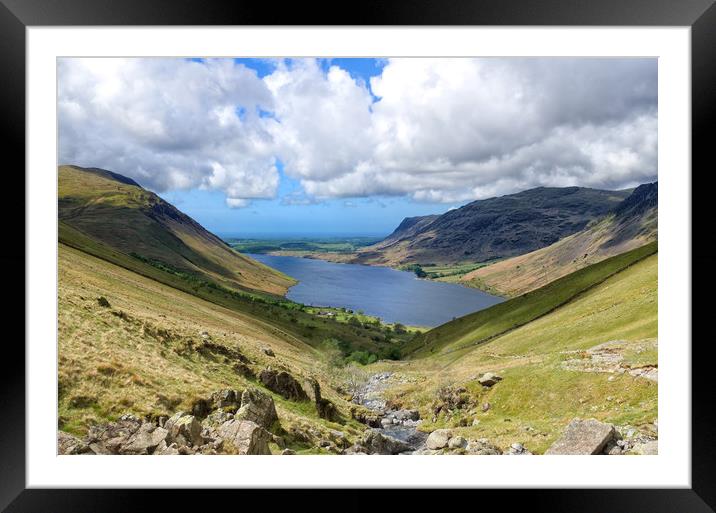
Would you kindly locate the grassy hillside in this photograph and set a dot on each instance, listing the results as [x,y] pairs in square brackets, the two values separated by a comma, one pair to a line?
[633,224]
[480,327]
[142,353]
[545,365]
[117,212]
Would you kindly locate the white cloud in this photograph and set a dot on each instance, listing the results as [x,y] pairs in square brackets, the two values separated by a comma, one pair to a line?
[170,124]
[446,130]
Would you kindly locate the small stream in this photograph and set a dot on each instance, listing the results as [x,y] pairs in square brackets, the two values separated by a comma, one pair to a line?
[399,424]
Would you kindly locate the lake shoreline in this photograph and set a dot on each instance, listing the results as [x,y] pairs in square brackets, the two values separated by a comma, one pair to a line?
[392,295]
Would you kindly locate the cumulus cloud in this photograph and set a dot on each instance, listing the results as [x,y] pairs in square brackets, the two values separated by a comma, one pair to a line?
[170,124]
[441,130]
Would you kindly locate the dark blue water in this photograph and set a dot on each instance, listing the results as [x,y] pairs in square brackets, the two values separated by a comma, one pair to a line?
[394,296]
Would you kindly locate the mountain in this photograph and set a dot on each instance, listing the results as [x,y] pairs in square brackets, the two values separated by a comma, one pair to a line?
[493,228]
[115,211]
[632,223]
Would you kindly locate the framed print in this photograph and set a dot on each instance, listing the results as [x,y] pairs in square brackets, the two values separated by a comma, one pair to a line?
[432,235]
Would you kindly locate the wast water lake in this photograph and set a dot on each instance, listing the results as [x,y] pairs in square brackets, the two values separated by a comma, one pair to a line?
[394,296]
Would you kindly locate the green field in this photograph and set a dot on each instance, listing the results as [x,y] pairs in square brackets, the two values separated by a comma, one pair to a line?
[302,245]
[486,324]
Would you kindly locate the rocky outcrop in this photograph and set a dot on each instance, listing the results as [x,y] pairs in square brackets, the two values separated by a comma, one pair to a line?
[257,407]
[184,429]
[375,442]
[245,437]
[283,384]
[324,408]
[583,437]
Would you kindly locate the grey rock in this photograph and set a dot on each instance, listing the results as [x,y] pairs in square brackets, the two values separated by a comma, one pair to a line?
[257,407]
[378,443]
[69,444]
[583,437]
[489,379]
[438,439]
[283,384]
[184,429]
[481,447]
[145,440]
[268,351]
[457,442]
[247,437]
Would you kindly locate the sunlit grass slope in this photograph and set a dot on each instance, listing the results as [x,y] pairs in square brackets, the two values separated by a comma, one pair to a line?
[539,394]
[142,353]
[482,326]
[117,212]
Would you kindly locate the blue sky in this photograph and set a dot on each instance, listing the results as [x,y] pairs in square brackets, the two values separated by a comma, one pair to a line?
[374,216]
[345,146]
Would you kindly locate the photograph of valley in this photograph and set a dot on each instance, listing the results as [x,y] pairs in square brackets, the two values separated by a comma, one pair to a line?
[357,256]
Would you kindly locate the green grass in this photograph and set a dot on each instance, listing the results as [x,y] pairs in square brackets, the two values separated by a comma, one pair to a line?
[538,396]
[302,245]
[298,320]
[479,327]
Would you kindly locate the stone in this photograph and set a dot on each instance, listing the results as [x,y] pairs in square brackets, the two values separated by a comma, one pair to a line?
[481,447]
[164,450]
[583,437]
[257,407]
[517,449]
[102,301]
[485,407]
[69,444]
[246,437]
[438,439]
[489,379]
[225,398]
[145,440]
[650,448]
[283,384]
[457,442]
[184,429]
[244,370]
[288,452]
[216,419]
[378,443]
[268,351]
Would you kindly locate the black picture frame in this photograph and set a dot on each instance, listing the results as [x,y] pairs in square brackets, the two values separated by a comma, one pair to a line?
[17,15]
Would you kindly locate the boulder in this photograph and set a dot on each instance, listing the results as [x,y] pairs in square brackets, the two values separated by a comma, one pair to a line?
[481,447]
[288,452]
[145,440]
[216,419]
[517,449]
[246,437]
[324,408]
[378,443]
[244,370]
[184,429]
[583,437]
[257,407]
[457,442]
[489,379]
[164,450]
[225,398]
[283,384]
[438,439]
[268,351]
[650,448]
[69,444]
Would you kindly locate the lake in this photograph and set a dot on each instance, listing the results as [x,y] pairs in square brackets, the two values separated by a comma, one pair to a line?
[394,296]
